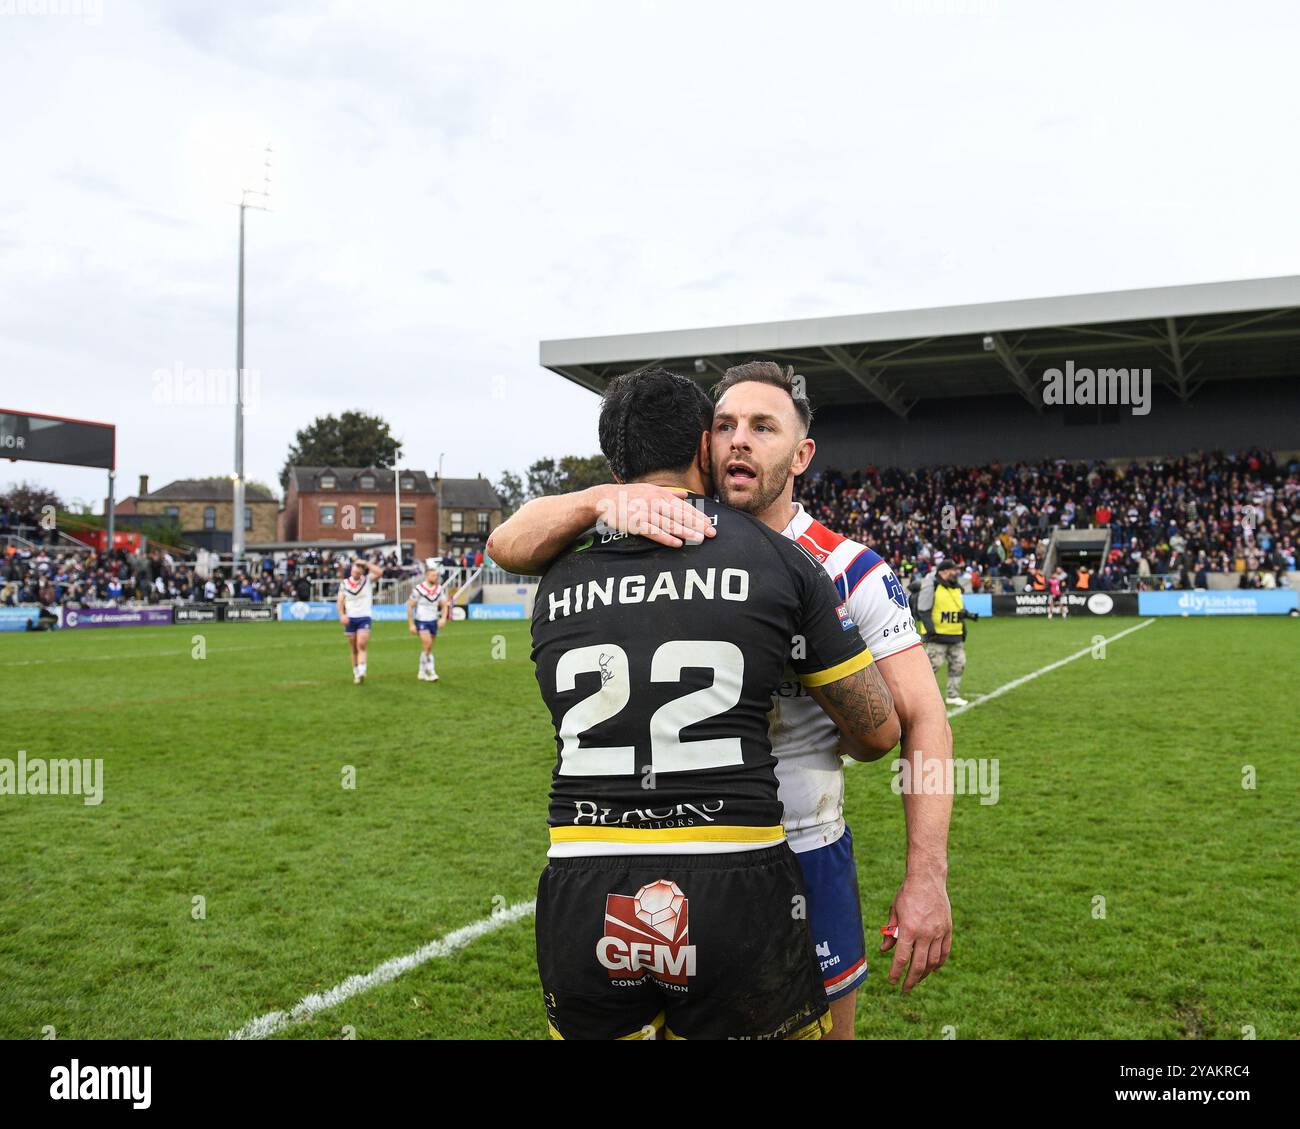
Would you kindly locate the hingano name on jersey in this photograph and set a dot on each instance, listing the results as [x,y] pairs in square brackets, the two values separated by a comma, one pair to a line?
[679,584]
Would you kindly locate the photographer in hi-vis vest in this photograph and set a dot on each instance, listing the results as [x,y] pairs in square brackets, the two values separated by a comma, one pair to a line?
[943,618]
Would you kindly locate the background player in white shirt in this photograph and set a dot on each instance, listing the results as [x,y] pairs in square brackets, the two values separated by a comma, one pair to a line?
[759,445]
[356,596]
[426,610]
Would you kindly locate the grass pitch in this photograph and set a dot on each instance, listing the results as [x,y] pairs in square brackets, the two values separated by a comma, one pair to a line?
[1119,778]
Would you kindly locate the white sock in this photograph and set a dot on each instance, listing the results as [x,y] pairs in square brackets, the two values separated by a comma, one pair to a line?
[361,669]
[431,670]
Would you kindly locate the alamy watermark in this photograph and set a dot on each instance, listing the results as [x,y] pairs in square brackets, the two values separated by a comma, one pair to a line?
[206,387]
[947,776]
[92,11]
[1130,387]
[37,776]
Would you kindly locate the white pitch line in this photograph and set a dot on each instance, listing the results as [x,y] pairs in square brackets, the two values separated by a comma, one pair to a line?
[1044,670]
[276,1021]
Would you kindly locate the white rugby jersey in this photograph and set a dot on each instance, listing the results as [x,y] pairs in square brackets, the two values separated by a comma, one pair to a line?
[426,598]
[809,772]
[357,597]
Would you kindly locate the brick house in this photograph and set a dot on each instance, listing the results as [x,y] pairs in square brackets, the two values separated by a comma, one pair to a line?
[356,503]
[471,509]
[204,507]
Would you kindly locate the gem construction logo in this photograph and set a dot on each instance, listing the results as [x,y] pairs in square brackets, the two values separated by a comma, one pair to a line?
[648,932]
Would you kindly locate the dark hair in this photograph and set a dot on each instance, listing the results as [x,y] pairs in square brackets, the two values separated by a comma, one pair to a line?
[652,419]
[768,372]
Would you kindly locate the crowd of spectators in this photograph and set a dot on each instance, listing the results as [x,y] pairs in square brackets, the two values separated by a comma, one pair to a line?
[54,576]
[293,574]
[1172,521]
[296,575]
[51,576]
[24,520]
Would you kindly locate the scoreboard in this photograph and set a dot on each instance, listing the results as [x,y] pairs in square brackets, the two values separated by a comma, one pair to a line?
[56,439]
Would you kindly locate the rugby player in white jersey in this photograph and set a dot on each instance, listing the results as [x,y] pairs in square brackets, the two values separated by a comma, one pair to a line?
[426,610]
[356,597]
[759,445]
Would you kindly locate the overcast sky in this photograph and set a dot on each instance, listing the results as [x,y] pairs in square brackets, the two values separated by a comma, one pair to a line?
[452,183]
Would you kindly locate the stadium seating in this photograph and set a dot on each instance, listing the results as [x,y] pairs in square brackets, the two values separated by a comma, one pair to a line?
[1172,522]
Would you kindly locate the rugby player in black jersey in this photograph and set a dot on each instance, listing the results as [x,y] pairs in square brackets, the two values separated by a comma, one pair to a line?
[671,905]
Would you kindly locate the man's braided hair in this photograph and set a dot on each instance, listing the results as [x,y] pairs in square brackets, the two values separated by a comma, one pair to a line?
[652,420]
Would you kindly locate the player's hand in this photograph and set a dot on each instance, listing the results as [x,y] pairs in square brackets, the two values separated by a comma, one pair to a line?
[924,920]
[343,620]
[656,513]
[413,631]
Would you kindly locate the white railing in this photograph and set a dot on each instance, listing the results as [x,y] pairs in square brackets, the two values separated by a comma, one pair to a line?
[388,590]
[67,542]
[492,574]
[467,583]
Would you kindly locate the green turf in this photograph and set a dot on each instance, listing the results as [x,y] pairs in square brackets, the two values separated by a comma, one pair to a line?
[1119,777]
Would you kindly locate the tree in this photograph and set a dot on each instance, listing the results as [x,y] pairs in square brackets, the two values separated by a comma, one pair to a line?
[544,478]
[352,439]
[29,496]
[561,476]
[510,489]
[579,472]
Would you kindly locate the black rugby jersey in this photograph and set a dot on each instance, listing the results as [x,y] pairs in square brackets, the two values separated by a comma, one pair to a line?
[658,667]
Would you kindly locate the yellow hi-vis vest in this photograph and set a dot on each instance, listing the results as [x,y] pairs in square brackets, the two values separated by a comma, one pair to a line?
[947,611]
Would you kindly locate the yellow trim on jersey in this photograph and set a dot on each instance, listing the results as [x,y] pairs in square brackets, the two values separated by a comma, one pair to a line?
[840,670]
[640,1033]
[819,1028]
[668,834]
[655,1025]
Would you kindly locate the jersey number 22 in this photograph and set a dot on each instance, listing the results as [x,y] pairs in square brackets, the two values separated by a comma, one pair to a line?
[668,753]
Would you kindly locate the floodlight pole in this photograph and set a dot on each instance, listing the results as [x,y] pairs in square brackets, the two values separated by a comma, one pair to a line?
[112,477]
[397,502]
[236,521]
[440,518]
[237,499]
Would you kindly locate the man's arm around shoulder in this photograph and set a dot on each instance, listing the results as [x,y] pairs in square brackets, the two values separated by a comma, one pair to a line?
[542,529]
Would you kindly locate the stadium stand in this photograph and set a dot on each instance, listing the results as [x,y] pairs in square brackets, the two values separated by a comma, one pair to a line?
[41,576]
[1171,523]
[918,410]
[1174,523]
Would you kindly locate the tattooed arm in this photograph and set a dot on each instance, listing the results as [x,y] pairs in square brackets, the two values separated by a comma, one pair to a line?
[863,708]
